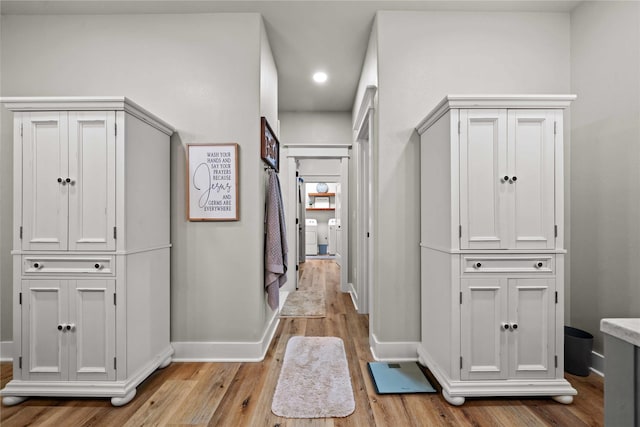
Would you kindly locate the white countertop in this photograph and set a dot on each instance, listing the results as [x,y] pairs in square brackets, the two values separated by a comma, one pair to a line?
[625,329]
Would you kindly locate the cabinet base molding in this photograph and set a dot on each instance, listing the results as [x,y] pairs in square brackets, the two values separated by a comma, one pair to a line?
[121,392]
[455,391]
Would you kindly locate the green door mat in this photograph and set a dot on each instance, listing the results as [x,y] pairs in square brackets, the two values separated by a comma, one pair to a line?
[404,377]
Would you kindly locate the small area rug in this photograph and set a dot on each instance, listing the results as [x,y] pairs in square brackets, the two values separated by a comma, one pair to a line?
[304,304]
[314,381]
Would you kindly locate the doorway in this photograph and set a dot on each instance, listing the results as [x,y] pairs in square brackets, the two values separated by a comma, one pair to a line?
[308,164]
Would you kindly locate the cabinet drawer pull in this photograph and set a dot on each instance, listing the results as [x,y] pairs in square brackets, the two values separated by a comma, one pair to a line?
[37,265]
[539,264]
[98,266]
[477,265]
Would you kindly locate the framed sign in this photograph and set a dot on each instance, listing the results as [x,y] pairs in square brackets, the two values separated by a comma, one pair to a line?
[212,182]
[269,145]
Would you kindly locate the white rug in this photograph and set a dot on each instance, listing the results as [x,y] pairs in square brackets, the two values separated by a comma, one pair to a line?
[304,304]
[314,381]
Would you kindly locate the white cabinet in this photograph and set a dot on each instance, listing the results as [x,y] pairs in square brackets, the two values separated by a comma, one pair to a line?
[68,187]
[492,256]
[68,330]
[507,328]
[90,247]
[507,178]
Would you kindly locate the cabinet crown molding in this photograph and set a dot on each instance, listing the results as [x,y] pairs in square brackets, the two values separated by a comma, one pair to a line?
[493,101]
[87,103]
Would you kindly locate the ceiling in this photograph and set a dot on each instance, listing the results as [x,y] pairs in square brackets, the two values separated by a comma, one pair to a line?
[305,35]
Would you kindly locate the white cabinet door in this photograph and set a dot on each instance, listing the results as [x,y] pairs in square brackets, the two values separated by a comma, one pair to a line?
[68,180]
[507,179]
[531,343]
[44,346]
[92,334]
[507,328]
[92,154]
[483,339]
[44,190]
[483,161]
[531,178]
[68,330]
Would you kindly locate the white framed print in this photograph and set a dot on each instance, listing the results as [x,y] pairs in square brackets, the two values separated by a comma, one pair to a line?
[212,182]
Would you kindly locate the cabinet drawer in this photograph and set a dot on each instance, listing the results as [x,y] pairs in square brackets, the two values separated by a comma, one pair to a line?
[43,265]
[472,264]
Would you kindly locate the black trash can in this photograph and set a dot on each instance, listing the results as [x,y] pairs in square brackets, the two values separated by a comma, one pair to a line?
[577,351]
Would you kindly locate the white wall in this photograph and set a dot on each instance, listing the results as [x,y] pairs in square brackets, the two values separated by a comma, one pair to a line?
[315,128]
[605,161]
[201,73]
[423,56]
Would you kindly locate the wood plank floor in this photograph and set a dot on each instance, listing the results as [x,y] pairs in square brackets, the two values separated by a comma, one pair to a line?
[239,394]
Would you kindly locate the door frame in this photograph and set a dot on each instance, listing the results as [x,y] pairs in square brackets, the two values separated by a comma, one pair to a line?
[293,153]
[364,136]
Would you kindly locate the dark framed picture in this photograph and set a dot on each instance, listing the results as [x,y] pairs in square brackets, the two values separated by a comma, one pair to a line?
[269,146]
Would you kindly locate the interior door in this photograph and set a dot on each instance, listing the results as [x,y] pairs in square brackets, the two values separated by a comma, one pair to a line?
[338,216]
[44,187]
[302,219]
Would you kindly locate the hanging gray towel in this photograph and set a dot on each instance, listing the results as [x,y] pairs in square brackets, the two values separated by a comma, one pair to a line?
[275,247]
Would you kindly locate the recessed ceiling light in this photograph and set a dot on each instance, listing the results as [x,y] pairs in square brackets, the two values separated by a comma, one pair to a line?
[320,77]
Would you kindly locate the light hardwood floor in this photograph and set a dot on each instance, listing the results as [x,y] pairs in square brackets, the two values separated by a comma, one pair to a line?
[239,394]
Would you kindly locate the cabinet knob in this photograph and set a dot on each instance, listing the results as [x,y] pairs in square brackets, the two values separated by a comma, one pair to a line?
[514,179]
[97,266]
[59,179]
[539,264]
[505,326]
[70,327]
[60,327]
[506,178]
[68,180]
[477,265]
[514,326]
[37,265]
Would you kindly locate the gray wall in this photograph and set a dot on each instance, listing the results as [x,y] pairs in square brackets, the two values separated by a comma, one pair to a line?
[605,164]
[209,76]
[423,56]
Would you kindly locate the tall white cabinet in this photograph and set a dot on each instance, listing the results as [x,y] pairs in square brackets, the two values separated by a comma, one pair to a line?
[90,247]
[492,251]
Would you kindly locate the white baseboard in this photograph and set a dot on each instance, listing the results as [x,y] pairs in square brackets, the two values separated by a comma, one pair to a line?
[6,351]
[597,363]
[396,351]
[352,293]
[226,351]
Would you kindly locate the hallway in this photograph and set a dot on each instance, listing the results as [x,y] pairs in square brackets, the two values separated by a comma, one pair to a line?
[239,394]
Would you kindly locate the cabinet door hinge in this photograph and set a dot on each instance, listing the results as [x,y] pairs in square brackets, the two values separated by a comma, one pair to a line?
[555,126]
[460,297]
[297,267]
[460,362]
[21,129]
[20,298]
[297,221]
[368,235]
[115,302]
[459,126]
[20,362]
[555,231]
[20,232]
[460,231]
[556,297]
[115,233]
[556,360]
[115,125]
[115,365]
